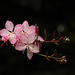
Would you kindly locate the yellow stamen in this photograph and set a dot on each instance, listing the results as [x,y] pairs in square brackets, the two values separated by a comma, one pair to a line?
[12,32]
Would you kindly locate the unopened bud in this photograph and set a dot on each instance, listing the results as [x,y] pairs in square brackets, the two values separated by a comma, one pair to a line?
[63,61]
[66,39]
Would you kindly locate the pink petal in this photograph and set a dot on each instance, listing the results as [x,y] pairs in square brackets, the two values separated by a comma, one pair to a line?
[9,25]
[31,30]
[18,34]
[40,38]
[4,38]
[31,38]
[20,46]
[12,38]
[34,48]
[25,26]
[4,32]
[29,54]
[24,38]
[18,28]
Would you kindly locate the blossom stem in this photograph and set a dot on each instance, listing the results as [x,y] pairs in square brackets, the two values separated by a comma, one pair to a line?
[48,56]
[47,41]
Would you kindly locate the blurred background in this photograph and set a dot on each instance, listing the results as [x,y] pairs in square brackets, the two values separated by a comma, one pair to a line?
[50,14]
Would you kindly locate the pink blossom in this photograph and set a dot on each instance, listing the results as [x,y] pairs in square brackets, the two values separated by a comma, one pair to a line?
[27,43]
[8,34]
[30,29]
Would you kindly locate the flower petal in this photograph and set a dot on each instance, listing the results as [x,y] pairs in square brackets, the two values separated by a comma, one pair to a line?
[24,38]
[25,26]
[31,30]
[31,38]
[20,46]
[29,54]
[40,38]
[18,28]
[4,38]
[18,34]
[9,25]
[34,48]
[4,32]
[12,38]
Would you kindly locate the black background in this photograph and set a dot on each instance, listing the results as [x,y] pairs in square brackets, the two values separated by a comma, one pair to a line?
[47,14]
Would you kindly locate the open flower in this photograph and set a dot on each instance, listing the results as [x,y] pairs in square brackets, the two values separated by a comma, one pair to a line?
[8,34]
[27,43]
[30,29]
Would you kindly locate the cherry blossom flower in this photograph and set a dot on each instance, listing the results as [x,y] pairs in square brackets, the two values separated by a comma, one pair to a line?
[8,34]
[30,29]
[27,43]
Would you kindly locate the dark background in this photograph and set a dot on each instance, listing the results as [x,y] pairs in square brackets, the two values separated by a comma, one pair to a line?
[49,14]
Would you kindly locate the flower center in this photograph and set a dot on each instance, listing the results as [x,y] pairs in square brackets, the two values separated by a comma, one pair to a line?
[12,32]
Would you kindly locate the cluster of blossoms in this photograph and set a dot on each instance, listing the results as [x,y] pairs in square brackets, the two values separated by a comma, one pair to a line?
[24,37]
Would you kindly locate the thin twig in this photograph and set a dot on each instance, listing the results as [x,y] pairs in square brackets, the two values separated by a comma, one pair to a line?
[48,56]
